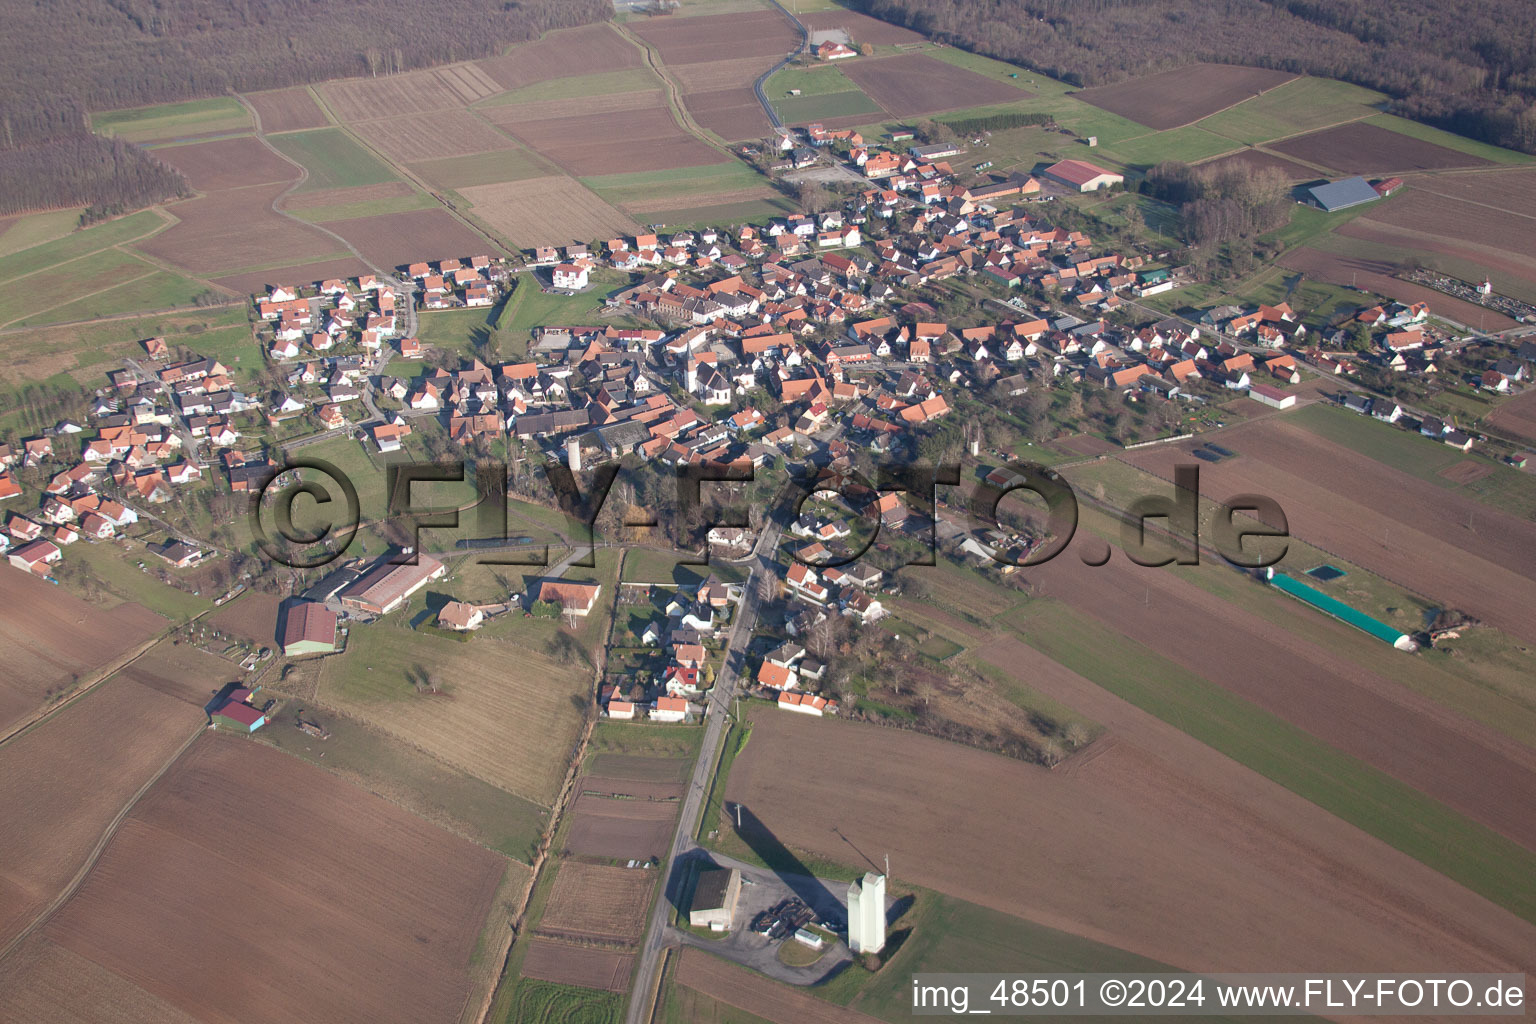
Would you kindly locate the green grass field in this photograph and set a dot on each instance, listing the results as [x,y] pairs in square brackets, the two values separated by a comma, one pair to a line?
[80,243]
[150,289]
[173,120]
[332,159]
[367,208]
[549,1003]
[811,80]
[849,103]
[603,83]
[1400,816]
[67,283]
[483,168]
[29,229]
[1301,105]
[1190,144]
[652,186]
[682,1005]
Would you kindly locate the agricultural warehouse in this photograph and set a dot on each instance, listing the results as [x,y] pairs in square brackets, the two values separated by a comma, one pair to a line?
[387,586]
[1082,175]
[1342,194]
[308,628]
[715,891]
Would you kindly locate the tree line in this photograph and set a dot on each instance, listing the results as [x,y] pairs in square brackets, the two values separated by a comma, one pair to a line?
[1467,67]
[60,60]
[1225,204]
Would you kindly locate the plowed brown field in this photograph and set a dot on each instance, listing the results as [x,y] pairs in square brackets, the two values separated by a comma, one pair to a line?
[52,640]
[1400,527]
[1184,95]
[446,133]
[359,910]
[554,210]
[598,901]
[234,229]
[1360,148]
[228,163]
[918,84]
[615,142]
[578,965]
[561,55]
[718,36]
[68,778]
[602,827]
[286,110]
[1145,849]
[395,239]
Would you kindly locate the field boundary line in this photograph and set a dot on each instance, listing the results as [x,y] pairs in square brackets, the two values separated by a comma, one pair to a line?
[679,110]
[80,298]
[101,844]
[405,173]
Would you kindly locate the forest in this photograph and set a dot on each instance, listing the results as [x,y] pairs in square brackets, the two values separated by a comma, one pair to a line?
[61,59]
[1466,66]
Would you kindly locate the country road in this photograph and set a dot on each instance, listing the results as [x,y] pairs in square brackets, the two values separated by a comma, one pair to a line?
[757,86]
[648,963]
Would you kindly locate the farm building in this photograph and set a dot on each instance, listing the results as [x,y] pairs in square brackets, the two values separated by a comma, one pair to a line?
[387,585]
[936,152]
[36,556]
[715,891]
[308,628]
[1082,175]
[236,713]
[1271,396]
[1342,194]
[1339,610]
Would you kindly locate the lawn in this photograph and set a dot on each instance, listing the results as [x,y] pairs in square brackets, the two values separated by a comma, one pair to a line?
[680,1004]
[545,1001]
[530,307]
[332,158]
[116,565]
[821,106]
[1301,105]
[173,120]
[664,742]
[459,330]
[654,186]
[647,565]
[1399,815]
[811,80]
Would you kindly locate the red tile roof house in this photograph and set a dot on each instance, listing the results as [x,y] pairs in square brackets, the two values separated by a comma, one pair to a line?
[807,703]
[669,709]
[573,598]
[237,714]
[461,616]
[776,677]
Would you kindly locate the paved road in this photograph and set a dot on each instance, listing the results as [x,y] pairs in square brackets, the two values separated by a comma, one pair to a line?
[757,86]
[715,718]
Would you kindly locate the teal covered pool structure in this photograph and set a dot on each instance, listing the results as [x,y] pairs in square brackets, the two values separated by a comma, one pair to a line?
[1339,610]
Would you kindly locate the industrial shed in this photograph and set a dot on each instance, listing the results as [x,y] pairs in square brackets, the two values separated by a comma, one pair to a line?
[715,891]
[1342,194]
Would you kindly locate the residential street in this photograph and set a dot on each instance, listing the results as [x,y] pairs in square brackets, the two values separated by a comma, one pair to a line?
[648,963]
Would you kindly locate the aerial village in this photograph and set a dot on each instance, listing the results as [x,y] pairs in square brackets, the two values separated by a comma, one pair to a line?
[806,339]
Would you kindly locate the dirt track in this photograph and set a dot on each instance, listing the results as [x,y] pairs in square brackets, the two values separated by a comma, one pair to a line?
[1159,846]
[1407,530]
